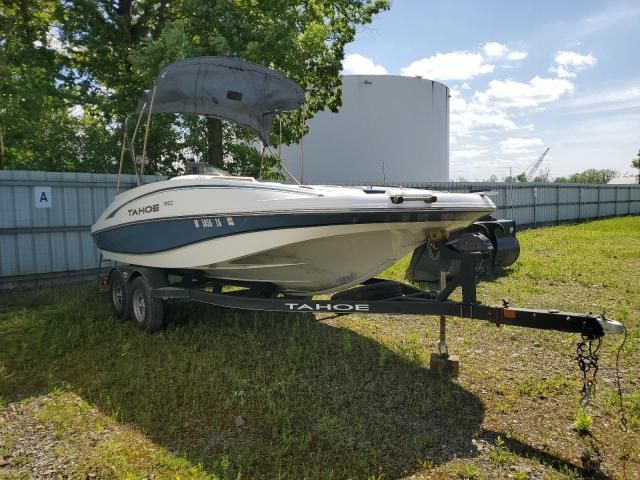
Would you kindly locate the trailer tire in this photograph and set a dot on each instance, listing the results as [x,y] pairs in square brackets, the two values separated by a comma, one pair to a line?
[119,290]
[147,311]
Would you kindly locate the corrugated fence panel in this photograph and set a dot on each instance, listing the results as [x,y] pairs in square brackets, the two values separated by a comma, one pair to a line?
[45,241]
[623,202]
[589,207]
[635,200]
[57,244]
[523,203]
[545,204]
[607,201]
[569,203]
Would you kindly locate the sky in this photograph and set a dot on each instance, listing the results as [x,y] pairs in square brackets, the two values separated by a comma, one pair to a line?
[523,76]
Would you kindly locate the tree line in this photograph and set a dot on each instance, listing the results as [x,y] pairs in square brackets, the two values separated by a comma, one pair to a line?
[72,70]
[588,176]
[635,163]
[591,175]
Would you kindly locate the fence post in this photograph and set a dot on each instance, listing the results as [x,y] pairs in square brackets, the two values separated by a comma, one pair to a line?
[535,202]
[579,204]
[629,202]
[557,204]
[598,214]
[615,203]
[511,197]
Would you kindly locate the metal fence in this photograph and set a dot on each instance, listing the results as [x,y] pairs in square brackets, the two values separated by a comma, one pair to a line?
[45,217]
[539,204]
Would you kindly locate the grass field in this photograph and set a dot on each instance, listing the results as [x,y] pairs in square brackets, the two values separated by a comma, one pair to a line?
[230,394]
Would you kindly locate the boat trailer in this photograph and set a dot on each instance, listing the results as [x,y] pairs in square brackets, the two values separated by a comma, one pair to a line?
[140,293]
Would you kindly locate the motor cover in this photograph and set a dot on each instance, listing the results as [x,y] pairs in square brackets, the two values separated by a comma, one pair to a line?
[494,239]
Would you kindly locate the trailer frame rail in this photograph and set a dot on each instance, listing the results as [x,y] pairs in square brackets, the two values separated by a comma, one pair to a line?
[413,301]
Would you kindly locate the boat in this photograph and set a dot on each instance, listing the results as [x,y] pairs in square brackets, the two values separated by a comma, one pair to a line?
[299,239]
[303,239]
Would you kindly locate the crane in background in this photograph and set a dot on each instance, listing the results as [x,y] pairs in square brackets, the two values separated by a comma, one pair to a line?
[531,170]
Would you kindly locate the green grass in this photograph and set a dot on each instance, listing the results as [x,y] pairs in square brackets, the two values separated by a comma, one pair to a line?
[583,422]
[229,394]
[500,453]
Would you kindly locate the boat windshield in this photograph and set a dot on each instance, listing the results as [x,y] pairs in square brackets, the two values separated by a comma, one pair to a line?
[202,168]
[218,172]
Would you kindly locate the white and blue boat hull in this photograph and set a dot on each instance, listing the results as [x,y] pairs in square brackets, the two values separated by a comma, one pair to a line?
[302,239]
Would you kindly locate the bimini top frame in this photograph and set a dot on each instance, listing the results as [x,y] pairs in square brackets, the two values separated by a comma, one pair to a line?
[241,92]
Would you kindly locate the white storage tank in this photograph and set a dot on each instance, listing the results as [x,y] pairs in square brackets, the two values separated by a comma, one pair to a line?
[389,130]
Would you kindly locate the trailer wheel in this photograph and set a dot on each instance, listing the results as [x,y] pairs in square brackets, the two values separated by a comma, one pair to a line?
[119,295]
[146,310]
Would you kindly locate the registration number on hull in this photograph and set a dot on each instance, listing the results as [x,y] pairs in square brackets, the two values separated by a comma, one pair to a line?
[213,222]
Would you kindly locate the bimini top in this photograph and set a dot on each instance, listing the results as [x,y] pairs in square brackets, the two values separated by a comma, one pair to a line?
[226,88]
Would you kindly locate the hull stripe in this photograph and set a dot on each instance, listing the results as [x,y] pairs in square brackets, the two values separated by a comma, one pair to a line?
[162,235]
[219,186]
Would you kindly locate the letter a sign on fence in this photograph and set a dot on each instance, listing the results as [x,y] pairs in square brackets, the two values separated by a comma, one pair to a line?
[42,197]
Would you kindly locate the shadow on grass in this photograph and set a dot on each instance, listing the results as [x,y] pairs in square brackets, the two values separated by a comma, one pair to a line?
[264,395]
[592,471]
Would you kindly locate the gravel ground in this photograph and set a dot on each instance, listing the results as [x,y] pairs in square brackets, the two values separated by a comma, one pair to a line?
[37,449]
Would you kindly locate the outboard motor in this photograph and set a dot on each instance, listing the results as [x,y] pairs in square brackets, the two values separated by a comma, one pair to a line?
[495,239]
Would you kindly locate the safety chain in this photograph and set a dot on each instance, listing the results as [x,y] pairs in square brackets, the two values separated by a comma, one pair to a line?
[587,357]
[623,417]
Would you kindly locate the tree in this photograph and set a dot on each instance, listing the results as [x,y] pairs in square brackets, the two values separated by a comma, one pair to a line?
[542,178]
[521,177]
[591,175]
[635,163]
[36,129]
[118,47]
